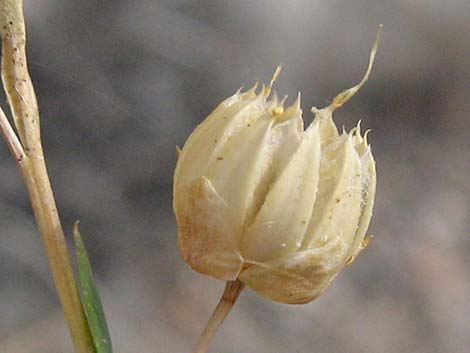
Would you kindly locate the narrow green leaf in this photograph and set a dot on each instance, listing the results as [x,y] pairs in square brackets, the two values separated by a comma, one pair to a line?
[90,298]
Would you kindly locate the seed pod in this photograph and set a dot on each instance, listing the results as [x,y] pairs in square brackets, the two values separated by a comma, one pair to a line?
[260,199]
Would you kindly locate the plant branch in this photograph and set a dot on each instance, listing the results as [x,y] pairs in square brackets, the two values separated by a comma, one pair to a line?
[22,100]
[9,135]
[228,299]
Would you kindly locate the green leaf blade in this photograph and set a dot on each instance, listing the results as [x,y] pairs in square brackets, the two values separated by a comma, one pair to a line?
[90,298]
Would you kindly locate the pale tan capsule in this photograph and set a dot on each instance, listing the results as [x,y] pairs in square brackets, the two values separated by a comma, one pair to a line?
[260,199]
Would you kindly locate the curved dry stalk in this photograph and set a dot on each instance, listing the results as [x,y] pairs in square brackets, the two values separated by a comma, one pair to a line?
[228,299]
[28,152]
[9,135]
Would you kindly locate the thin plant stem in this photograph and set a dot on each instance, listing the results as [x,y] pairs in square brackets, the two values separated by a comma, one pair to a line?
[228,299]
[9,135]
[29,155]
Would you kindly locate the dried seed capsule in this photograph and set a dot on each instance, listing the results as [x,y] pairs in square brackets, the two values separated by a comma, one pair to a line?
[260,199]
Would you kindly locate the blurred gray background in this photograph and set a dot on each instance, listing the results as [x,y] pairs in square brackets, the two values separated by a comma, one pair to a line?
[121,82]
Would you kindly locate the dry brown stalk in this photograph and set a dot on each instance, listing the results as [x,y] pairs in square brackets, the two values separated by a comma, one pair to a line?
[229,297]
[26,148]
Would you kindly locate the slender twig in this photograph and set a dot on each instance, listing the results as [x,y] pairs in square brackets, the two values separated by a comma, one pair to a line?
[22,100]
[10,138]
[228,299]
